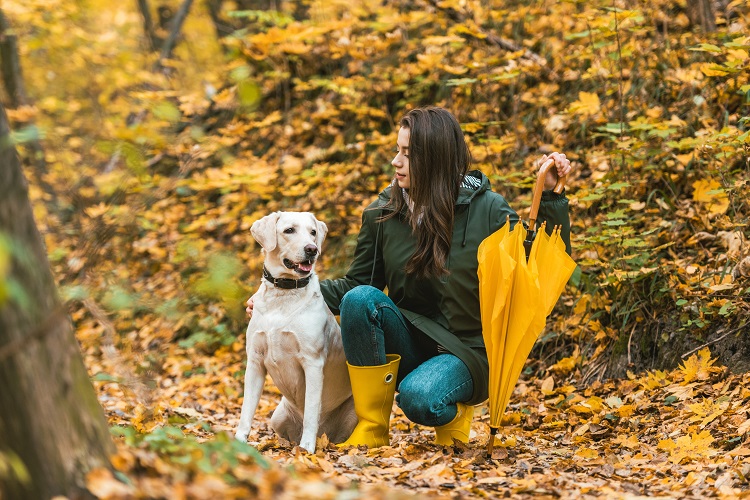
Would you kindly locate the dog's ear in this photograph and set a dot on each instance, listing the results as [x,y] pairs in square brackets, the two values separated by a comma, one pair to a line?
[264,231]
[322,231]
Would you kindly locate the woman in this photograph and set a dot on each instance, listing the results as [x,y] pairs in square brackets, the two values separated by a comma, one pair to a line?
[419,240]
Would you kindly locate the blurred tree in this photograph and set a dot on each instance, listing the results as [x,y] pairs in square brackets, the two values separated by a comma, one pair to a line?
[154,41]
[11,64]
[15,88]
[174,24]
[52,429]
[701,13]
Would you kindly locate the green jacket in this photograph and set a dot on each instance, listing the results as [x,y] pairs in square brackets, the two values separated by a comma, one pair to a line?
[447,308]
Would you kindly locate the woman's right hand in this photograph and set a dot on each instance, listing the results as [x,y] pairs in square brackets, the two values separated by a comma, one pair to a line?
[249,309]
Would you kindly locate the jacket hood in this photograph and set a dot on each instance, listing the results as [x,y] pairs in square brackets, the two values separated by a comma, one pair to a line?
[474,183]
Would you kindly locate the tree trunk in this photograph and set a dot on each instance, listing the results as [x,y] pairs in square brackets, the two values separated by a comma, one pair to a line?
[701,13]
[11,64]
[51,424]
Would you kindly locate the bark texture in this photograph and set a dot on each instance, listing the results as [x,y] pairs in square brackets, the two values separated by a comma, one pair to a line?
[50,419]
[701,13]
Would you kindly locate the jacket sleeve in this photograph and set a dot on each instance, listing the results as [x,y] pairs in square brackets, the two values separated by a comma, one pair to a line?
[500,213]
[366,267]
[553,209]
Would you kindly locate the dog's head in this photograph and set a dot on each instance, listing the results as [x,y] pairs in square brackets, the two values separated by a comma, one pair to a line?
[291,242]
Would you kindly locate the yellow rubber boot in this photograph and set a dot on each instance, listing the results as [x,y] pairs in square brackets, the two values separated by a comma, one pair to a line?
[458,428]
[373,388]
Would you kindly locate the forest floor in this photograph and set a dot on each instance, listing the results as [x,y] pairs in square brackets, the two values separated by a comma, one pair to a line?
[677,434]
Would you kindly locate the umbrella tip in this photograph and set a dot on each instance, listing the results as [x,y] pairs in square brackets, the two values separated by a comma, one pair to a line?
[491,442]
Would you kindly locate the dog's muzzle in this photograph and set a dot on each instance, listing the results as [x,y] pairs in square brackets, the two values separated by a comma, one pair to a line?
[303,267]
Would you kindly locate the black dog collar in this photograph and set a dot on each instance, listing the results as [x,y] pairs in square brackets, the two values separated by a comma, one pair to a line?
[286,283]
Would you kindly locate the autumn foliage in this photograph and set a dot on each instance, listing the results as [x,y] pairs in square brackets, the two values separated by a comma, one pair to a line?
[154,175]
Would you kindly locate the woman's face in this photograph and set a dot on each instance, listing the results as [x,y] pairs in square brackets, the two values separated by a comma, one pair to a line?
[401,161]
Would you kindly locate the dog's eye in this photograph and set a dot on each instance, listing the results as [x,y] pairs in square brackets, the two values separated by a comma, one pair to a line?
[314,232]
[289,230]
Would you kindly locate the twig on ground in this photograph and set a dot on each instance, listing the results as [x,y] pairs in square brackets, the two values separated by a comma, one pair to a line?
[714,341]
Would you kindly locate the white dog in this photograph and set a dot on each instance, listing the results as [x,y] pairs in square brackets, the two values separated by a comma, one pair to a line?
[294,337]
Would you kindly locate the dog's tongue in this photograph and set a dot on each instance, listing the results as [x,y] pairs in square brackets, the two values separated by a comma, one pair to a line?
[304,267]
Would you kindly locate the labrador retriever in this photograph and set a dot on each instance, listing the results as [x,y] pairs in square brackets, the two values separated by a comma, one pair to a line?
[295,338]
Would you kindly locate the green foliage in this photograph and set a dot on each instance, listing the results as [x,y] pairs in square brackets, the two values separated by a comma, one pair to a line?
[10,288]
[218,455]
[12,465]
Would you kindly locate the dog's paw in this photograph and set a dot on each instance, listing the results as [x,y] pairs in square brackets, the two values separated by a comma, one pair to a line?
[308,445]
[241,436]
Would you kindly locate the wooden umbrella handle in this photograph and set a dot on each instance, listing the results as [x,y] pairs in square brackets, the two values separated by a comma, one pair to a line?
[539,187]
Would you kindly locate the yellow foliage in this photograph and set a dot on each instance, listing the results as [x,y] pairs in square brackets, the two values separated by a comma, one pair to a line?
[587,453]
[566,365]
[689,447]
[698,367]
[712,195]
[588,104]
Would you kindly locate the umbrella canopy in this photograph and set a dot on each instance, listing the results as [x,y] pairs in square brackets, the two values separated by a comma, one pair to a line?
[516,295]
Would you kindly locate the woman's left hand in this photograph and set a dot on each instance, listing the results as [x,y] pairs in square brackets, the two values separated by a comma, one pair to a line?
[562,167]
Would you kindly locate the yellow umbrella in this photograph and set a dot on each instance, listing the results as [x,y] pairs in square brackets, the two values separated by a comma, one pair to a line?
[516,295]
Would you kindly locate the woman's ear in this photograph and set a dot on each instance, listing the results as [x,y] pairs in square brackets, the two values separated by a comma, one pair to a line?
[264,231]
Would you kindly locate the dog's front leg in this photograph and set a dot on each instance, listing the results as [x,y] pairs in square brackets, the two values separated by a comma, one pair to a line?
[255,377]
[313,402]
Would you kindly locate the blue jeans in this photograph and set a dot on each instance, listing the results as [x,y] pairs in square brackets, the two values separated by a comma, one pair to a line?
[429,383]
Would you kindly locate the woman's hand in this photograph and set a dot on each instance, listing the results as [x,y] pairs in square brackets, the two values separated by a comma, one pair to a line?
[562,167]
[249,309]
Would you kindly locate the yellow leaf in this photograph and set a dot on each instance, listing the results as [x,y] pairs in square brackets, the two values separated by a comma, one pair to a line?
[587,453]
[631,442]
[712,69]
[692,478]
[581,305]
[566,365]
[689,447]
[625,411]
[581,409]
[666,445]
[697,367]
[737,55]
[548,386]
[595,403]
[685,159]
[102,483]
[681,392]
[654,379]
[513,418]
[588,104]
[712,195]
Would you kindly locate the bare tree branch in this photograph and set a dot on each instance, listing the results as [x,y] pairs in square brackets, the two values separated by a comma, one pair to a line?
[148,23]
[177,22]
[222,27]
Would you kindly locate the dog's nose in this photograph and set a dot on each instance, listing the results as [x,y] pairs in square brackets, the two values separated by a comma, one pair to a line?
[311,250]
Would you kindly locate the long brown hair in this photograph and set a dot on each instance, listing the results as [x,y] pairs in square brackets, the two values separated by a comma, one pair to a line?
[438,160]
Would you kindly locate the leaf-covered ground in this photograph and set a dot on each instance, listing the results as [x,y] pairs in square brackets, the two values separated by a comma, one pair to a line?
[677,434]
